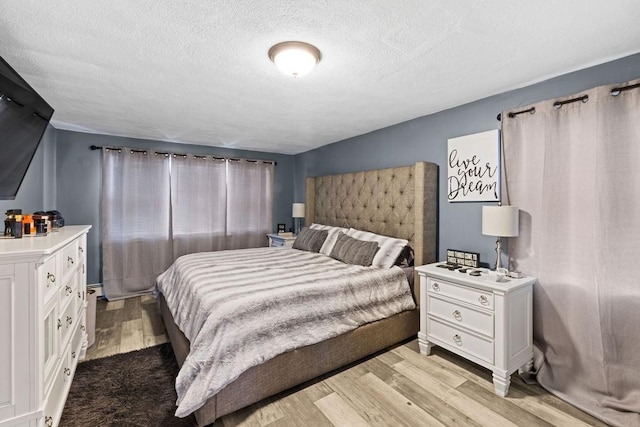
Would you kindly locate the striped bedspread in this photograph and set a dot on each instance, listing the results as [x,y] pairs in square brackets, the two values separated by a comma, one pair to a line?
[240,308]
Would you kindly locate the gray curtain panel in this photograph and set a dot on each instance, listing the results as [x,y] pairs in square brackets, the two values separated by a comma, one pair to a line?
[136,241]
[198,204]
[249,203]
[574,174]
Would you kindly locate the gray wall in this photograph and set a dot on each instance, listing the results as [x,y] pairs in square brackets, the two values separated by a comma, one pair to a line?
[66,175]
[35,192]
[425,138]
[79,172]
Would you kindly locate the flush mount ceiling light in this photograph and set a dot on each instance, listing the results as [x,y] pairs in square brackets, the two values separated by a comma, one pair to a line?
[294,58]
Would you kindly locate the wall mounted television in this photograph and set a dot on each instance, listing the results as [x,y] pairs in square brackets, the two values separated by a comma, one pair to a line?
[24,116]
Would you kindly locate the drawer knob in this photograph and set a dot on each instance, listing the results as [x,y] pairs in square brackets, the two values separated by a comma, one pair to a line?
[59,323]
[68,290]
[457,315]
[81,249]
[435,287]
[67,371]
[70,260]
[79,296]
[48,421]
[82,327]
[69,320]
[483,300]
[73,354]
[51,277]
[457,339]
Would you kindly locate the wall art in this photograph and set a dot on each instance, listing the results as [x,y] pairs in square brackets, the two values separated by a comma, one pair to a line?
[473,164]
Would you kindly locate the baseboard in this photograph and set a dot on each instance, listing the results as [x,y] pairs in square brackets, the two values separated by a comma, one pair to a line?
[96,287]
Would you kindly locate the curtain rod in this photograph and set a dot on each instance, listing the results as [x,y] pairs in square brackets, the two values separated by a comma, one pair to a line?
[585,98]
[617,90]
[512,114]
[195,156]
[559,104]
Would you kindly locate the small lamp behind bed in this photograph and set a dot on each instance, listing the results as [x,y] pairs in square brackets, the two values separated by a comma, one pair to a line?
[297,214]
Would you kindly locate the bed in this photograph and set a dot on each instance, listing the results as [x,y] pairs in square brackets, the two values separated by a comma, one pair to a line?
[399,202]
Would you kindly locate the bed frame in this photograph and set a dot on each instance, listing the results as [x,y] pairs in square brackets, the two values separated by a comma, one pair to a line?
[400,202]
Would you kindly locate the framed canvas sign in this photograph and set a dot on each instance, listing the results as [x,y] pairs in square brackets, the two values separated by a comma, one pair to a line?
[473,164]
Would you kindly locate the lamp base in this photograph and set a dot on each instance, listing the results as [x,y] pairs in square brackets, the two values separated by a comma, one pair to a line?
[498,253]
[297,226]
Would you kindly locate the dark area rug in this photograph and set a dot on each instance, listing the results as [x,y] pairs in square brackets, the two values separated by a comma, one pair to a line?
[130,389]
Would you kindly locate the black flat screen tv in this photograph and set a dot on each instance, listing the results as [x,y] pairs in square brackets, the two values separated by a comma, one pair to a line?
[24,116]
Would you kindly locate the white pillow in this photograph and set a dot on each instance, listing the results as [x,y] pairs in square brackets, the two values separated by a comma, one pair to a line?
[389,248]
[332,237]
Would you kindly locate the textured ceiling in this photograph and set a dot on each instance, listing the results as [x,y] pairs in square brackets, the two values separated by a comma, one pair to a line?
[197,71]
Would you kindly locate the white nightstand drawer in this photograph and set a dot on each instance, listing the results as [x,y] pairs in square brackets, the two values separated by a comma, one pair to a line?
[464,341]
[476,320]
[462,293]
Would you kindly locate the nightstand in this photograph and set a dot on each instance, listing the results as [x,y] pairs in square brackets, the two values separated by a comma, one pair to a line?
[485,321]
[277,240]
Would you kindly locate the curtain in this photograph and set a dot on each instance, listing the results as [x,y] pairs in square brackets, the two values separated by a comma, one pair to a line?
[249,203]
[198,204]
[136,241]
[157,207]
[573,172]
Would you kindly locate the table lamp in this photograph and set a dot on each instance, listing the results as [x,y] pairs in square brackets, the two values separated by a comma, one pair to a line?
[297,214]
[499,221]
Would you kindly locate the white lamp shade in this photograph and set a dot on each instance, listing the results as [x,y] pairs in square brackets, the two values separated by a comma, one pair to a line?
[500,221]
[298,210]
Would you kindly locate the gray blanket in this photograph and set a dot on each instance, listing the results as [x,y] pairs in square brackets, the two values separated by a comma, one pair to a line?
[240,308]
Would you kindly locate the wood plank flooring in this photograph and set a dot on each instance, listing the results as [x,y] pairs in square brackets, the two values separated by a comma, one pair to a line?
[126,325]
[397,387]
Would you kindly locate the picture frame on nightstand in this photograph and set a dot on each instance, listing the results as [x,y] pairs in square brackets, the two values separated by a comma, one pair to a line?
[281,228]
[467,259]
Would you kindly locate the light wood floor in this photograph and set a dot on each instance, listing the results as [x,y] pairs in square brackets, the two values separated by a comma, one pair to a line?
[126,325]
[397,387]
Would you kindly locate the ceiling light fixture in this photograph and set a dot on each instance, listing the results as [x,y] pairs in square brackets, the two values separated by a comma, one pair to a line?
[294,58]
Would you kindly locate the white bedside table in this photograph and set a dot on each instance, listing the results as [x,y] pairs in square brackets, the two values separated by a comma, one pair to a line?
[276,240]
[487,322]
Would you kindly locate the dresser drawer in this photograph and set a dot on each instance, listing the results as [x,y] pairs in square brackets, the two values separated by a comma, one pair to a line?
[70,258]
[80,298]
[476,320]
[463,293]
[69,318]
[82,249]
[51,345]
[68,291]
[462,341]
[76,343]
[48,277]
[54,398]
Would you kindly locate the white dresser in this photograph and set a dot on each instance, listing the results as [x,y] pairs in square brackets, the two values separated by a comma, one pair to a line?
[478,318]
[42,324]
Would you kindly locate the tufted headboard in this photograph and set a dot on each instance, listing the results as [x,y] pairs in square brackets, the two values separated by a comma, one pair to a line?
[399,202]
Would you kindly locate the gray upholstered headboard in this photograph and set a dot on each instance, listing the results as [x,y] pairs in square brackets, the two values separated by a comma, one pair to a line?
[400,202]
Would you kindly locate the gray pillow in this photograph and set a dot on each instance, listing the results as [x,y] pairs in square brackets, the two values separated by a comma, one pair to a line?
[354,251]
[310,240]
